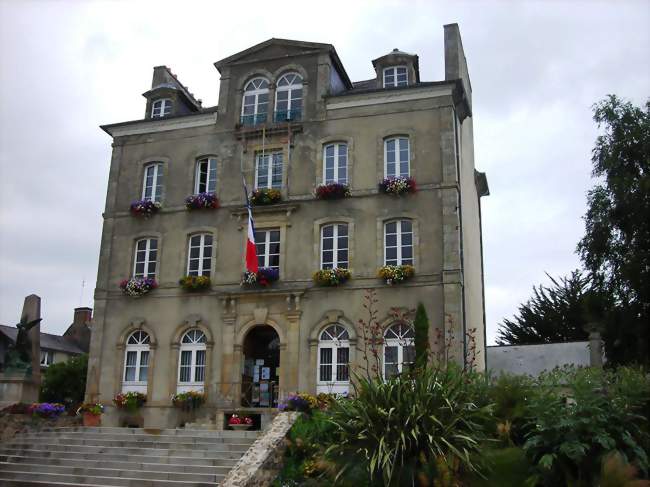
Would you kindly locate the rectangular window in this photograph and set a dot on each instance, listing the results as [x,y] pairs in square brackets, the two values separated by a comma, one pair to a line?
[395,76]
[206,176]
[325,365]
[268,170]
[335,164]
[199,370]
[390,362]
[161,108]
[144,366]
[146,255]
[186,366]
[199,261]
[334,246]
[398,243]
[130,366]
[267,243]
[342,364]
[152,186]
[47,358]
[396,157]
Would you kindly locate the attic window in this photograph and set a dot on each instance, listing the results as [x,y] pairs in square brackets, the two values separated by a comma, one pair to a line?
[395,76]
[161,108]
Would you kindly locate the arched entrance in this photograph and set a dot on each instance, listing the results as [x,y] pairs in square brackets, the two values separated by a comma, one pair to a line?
[261,367]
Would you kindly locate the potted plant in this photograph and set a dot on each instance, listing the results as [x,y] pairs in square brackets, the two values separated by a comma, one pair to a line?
[130,401]
[188,401]
[263,277]
[138,286]
[331,277]
[237,422]
[332,191]
[195,283]
[145,208]
[394,274]
[202,201]
[265,196]
[91,413]
[398,186]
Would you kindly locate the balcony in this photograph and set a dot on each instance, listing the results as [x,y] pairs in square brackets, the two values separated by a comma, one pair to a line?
[252,120]
[287,116]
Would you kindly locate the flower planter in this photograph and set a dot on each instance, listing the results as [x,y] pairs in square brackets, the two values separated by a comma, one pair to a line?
[265,196]
[202,201]
[90,419]
[332,191]
[263,278]
[239,427]
[331,277]
[398,186]
[145,208]
[195,283]
[138,286]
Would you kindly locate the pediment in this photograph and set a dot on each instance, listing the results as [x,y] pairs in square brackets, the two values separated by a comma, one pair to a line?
[273,48]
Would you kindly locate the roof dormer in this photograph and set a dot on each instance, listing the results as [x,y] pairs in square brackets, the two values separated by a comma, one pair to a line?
[168,97]
[396,69]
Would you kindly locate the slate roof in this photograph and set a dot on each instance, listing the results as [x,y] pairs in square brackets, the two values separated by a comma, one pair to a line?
[48,341]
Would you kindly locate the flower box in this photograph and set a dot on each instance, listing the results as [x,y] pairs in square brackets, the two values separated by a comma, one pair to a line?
[237,422]
[265,196]
[195,283]
[394,274]
[138,286]
[188,401]
[331,277]
[398,186]
[202,201]
[263,277]
[131,401]
[145,208]
[332,191]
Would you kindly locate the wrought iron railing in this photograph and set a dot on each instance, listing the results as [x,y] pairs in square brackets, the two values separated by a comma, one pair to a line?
[252,120]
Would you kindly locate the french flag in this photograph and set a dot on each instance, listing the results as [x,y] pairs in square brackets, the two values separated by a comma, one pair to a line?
[251,251]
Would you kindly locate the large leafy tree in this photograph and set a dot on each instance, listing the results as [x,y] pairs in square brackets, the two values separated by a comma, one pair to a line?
[554,313]
[65,382]
[616,246]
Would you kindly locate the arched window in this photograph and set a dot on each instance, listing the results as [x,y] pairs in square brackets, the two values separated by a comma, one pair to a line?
[199,257]
[152,182]
[191,366]
[396,157]
[161,108]
[136,362]
[398,242]
[288,98]
[399,349]
[335,163]
[206,176]
[334,360]
[255,104]
[334,246]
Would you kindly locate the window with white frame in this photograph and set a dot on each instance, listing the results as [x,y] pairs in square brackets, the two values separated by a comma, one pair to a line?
[206,176]
[268,170]
[47,358]
[146,258]
[288,98]
[399,349]
[161,108]
[334,246]
[398,242]
[152,184]
[396,157]
[255,104]
[335,163]
[395,76]
[334,360]
[136,362]
[267,243]
[191,364]
[199,260]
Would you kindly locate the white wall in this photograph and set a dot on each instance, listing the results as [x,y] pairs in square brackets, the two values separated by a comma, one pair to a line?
[533,359]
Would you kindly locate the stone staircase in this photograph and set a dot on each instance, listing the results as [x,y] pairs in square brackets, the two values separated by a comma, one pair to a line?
[131,457]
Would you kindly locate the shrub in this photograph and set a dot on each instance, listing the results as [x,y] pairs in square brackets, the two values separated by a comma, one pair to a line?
[579,416]
[65,382]
[510,395]
[145,208]
[188,400]
[138,286]
[195,283]
[394,274]
[402,428]
[331,277]
[265,196]
[305,403]
[46,409]
[332,191]
[202,201]
[421,329]
[398,186]
[131,401]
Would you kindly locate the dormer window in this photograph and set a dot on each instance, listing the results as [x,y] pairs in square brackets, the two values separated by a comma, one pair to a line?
[395,76]
[256,102]
[161,108]
[288,98]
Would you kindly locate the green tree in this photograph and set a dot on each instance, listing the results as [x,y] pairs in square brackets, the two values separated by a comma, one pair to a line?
[553,314]
[616,246]
[421,325]
[65,382]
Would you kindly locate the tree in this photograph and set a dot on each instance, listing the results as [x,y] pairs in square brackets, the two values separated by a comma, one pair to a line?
[65,382]
[421,326]
[616,246]
[553,314]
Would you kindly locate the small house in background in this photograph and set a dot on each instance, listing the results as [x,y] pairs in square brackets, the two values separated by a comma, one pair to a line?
[55,348]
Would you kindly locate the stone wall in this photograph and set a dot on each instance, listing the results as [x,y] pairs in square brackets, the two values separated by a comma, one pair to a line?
[12,425]
[533,359]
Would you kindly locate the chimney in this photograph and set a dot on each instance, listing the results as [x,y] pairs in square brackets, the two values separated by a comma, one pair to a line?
[82,316]
[455,61]
[79,331]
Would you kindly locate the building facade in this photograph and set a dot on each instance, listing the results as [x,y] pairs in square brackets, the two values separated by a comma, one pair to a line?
[289,119]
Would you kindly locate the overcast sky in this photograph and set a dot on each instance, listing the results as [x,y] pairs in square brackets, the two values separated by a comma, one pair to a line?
[536,69]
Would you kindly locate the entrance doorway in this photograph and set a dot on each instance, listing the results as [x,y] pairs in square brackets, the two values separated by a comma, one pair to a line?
[261,367]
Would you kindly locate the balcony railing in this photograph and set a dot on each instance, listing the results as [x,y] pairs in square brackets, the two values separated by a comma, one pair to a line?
[287,116]
[252,120]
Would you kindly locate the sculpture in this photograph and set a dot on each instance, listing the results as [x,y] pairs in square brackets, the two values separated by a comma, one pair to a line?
[19,355]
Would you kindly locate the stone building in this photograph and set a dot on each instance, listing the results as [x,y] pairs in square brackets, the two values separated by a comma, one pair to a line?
[288,118]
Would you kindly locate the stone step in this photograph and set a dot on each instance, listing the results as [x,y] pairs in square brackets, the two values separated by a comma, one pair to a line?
[158,432]
[14,478]
[74,461]
[136,443]
[110,472]
[141,437]
[171,450]
[225,459]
